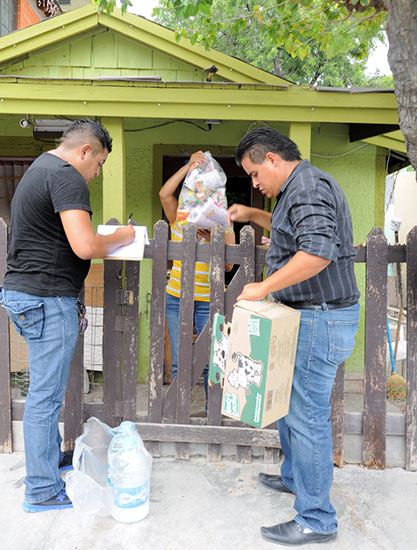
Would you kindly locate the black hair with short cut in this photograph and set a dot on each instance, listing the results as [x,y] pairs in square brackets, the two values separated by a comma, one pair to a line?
[83,129]
[260,141]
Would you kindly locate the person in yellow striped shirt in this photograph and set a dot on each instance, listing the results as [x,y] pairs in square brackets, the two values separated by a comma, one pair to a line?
[201,284]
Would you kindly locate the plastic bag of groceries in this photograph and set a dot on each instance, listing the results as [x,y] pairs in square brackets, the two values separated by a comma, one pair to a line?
[203,195]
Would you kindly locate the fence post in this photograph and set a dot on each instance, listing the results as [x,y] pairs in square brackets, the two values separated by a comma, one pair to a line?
[74,396]
[185,334]
[130,339]
[337,402]
[157,329]
[112,341]
[247,267]
[375,398]
[411,411]
[6,445]
[217,267]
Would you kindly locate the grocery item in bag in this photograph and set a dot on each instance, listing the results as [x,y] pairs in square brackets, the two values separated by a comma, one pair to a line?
[203,196]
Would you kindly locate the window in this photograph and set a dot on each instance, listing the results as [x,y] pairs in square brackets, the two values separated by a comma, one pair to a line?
[8,16]
[11,171]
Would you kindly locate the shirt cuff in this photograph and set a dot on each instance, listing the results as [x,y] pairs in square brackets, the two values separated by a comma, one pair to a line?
[319,245]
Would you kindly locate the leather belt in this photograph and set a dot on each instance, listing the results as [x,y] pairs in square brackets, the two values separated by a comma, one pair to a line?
[309,305]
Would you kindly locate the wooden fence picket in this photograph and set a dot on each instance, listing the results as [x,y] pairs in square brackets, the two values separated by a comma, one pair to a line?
[375,398]
[157,329]
[217,280]
[411,410]
[185,334]
[74,398]
[6,444]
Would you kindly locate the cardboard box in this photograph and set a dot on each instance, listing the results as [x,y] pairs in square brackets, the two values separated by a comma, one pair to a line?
[254,359]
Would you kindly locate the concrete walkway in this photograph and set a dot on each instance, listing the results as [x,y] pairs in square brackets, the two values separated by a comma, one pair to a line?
[199,505]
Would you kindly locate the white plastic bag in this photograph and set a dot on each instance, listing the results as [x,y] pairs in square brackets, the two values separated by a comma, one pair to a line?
[88,484]
[203,196]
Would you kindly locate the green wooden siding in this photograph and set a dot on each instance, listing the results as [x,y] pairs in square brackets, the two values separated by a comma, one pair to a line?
[104,54]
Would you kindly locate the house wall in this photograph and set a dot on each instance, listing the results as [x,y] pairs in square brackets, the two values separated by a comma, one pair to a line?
[405,202]
[361,174]
[357,170]
[26,15]
[68,5]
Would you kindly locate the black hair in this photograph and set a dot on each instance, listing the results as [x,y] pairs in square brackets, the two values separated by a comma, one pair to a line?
[260,141]
[83,128]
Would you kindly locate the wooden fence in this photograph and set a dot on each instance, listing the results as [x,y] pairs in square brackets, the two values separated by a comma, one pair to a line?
[168,416]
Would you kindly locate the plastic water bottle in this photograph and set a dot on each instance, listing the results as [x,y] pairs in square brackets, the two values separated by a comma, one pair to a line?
[129,474]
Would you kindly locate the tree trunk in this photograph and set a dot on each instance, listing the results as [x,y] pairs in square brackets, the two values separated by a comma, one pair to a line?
[402,56]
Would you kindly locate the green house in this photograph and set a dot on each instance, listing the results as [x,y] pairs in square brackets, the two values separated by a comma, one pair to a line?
[155,98]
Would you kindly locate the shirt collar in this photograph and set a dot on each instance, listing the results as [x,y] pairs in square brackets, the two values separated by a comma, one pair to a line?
[300,166]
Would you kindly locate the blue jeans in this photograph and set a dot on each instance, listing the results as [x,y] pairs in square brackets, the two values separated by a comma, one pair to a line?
[50,327]
[172,313]
[326,338]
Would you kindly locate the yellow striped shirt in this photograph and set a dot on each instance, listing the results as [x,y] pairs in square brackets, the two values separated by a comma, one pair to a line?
[201,281]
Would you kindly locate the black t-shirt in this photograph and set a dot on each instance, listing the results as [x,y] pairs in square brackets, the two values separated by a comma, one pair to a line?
[40,259]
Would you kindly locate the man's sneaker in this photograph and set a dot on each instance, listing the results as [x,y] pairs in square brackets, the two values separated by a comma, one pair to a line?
[58,502]
[66,462]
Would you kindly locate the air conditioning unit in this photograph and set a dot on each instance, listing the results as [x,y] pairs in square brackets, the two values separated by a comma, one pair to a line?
[50,128]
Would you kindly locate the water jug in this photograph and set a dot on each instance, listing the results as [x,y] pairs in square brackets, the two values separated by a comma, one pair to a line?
[129,466]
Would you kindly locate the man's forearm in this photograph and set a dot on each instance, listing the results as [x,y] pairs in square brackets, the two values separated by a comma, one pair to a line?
[301,267]
[261,218]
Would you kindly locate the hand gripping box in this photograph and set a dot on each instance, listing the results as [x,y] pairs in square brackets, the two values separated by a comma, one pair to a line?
[254,359]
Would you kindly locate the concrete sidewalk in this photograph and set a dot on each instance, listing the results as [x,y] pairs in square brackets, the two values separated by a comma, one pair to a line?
[216,506]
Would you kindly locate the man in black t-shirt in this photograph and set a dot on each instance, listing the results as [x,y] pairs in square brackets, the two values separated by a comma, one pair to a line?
[51,243]
[309,268]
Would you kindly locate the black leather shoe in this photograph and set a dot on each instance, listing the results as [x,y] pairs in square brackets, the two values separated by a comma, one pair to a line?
[292,534]
[273,482]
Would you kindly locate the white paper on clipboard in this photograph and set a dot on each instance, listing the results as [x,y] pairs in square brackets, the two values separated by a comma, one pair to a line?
[132,251]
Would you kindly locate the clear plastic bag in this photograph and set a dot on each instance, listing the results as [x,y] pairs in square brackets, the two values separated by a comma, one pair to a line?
[88,484]
[203,195]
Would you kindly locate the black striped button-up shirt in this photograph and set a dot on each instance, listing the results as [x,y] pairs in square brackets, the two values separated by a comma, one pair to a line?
[312,214]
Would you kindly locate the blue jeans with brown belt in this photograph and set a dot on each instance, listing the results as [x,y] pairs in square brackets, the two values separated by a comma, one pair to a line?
[326,338]
[50,327]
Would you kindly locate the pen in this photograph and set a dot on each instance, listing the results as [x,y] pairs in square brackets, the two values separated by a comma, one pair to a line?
[130,218]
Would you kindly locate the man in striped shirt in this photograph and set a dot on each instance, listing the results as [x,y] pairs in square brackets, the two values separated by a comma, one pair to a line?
[310,268]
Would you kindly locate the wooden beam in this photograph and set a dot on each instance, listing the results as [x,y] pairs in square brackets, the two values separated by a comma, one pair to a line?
[388,143]
[114,188]
[300,133]
[227,435]
[188,101]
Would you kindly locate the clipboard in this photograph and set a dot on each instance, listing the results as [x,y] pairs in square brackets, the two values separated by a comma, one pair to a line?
[131,252]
